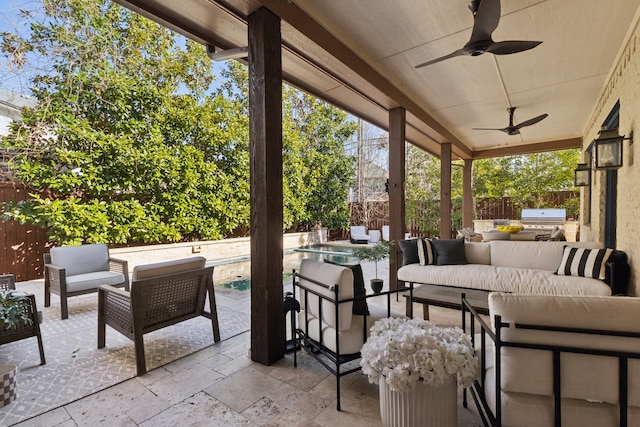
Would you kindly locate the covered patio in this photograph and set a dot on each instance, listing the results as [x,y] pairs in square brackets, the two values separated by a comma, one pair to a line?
[362,57]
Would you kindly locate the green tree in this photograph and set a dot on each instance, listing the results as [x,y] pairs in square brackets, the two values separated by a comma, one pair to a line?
[527,179]
[125,144]
[422,189]
[317,173]
[128,143]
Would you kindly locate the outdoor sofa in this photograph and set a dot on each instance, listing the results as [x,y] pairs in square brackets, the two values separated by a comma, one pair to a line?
[531,267]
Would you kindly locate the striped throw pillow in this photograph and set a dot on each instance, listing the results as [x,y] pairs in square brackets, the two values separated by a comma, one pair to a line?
[584,262]
[425,252]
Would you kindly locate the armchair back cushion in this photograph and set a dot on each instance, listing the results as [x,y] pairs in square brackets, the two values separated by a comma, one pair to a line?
[147,271]
[584,377]
[330,274]
[81,259]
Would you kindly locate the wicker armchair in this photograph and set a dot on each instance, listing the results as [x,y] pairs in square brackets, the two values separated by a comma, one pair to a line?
[77,270]
[7,282]
[162,294]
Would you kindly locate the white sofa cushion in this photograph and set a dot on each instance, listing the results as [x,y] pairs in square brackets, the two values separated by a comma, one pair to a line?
[477,253]
[532,255]
[502,279]
[81,259]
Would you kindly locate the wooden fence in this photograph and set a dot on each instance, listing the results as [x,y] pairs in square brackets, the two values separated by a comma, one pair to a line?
[21,245]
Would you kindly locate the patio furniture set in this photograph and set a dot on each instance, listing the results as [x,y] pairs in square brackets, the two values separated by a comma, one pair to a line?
[159,295]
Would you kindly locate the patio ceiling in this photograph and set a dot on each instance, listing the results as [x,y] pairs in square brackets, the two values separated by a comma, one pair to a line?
[360,55]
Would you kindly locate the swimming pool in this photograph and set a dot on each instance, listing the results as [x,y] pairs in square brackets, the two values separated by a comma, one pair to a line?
[235,273]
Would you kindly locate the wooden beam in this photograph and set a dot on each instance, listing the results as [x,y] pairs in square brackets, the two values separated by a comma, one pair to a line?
[445,191]
[467,194]
[397,126]
[265,135]
[539,147]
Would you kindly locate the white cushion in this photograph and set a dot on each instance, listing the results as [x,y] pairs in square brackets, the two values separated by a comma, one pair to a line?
[351,340]
[148,271]
[81,259]
[82,282]
[359,232]
[502,279]
[330,275]
[477,253]
[534,255]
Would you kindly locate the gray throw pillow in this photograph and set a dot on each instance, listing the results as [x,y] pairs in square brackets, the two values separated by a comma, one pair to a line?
[409,249]
[449,252]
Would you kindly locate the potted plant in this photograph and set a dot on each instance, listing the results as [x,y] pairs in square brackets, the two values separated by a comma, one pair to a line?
[12,312]
[414,360]
[374,253]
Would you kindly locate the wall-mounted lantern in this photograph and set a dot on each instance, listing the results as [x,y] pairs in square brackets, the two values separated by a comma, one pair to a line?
[609,149]
[582,175]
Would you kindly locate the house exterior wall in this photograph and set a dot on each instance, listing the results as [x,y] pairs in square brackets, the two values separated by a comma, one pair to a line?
[623,85]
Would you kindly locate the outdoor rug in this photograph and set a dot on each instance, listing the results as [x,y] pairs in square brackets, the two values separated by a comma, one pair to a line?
[76,367]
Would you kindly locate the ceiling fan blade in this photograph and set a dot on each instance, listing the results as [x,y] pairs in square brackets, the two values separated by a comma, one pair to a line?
[532,121]
[501,129]
[486,20]
[442,58]
[511,46]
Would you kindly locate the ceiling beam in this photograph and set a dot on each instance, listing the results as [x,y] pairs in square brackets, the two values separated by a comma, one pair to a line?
[539,147]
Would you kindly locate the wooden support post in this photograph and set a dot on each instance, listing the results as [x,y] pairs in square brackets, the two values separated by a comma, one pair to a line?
[397,123]
[445,190]
[467,194]
[265,134]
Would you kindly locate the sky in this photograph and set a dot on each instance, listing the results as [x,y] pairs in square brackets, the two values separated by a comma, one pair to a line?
[9,19]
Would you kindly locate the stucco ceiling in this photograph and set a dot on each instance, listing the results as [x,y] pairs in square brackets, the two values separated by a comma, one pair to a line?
[361,55]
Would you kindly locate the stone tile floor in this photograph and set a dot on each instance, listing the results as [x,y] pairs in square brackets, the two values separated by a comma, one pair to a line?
[220,385]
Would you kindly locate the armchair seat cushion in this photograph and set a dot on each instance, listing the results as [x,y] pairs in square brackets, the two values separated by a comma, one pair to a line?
[81,282]
[352,339]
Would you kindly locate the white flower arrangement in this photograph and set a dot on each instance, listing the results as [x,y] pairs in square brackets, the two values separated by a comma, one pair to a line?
[405,351]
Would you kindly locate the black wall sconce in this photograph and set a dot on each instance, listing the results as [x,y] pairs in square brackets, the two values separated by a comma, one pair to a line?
[609,149]
[582,175]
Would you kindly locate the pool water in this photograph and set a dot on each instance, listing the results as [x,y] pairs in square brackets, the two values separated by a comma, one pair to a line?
[236,273]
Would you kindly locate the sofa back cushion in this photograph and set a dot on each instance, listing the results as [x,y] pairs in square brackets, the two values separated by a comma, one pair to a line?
[330,275]
[81,259]
[478,253]
[147,271]
[532,255]
[585,377]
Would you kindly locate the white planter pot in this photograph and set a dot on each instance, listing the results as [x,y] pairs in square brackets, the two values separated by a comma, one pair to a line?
[423,405]
[9,373]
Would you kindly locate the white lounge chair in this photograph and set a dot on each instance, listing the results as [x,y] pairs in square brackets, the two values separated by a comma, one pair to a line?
[385,233]
[359,234]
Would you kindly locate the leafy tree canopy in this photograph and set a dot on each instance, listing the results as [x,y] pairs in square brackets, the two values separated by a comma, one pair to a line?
[130,143]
